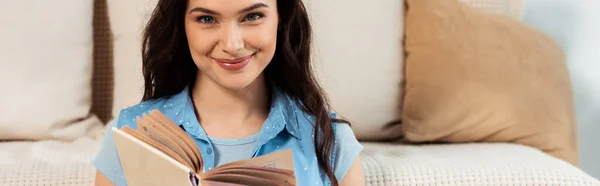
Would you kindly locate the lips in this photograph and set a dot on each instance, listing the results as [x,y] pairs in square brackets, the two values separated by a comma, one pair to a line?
[234,64]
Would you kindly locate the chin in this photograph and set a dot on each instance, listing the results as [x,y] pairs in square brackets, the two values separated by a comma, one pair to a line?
[235,85]
[236,82]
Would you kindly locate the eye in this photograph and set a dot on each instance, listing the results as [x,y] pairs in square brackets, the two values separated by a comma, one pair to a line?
[253,16]
[205,19]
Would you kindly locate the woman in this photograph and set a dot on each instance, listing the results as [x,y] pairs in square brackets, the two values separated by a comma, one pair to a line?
[236,76]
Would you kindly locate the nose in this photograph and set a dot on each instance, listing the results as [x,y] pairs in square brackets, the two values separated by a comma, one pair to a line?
[231,40]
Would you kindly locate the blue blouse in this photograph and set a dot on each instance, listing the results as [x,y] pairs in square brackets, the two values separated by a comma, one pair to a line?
[286,127]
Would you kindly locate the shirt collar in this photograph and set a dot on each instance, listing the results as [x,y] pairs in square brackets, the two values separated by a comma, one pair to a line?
[282,106]
[282,115]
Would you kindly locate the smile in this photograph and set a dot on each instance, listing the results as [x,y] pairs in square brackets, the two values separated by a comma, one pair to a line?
[233,64]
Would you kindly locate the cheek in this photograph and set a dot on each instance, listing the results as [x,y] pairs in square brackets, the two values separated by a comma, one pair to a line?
[199,44]
[264,39]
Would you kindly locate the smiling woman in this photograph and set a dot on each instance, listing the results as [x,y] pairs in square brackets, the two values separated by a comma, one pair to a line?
[236,76]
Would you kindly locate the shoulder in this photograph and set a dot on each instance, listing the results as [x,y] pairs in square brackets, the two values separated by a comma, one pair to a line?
[107,159]
[346,149]
[127,116]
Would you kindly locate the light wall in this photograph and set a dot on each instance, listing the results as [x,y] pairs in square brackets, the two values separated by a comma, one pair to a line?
[575,24]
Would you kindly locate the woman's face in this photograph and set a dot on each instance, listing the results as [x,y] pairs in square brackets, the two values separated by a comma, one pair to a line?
[231,41]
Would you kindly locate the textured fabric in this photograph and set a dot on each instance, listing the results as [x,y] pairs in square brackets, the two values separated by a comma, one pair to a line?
[485,78]
[49,163]
[346,144]
[67,164]
[511,8]
[359,62]
[102,80]
[286,127]
[45,69]
[466,165]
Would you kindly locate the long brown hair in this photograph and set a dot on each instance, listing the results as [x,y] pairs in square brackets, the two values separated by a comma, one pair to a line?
[168,67]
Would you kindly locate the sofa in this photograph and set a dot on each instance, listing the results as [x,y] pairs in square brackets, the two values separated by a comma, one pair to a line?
[79,63]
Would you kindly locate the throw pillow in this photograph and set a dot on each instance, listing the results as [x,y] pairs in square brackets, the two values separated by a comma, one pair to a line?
[479,77]
[46,70]
[358,60]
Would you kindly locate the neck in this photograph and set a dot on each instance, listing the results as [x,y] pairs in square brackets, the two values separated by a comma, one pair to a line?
[222,109]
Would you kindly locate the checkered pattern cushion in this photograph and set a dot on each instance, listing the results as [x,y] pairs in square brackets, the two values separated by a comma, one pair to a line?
[103,81]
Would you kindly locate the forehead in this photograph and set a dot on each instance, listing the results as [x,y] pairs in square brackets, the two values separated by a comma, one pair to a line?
[229,6]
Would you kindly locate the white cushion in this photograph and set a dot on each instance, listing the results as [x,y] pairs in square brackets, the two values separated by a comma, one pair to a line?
[466,164]
[46,69]
[127,20]
[359,56]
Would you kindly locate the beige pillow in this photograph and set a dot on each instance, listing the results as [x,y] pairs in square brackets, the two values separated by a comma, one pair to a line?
[478,77]
[46,69]
[359,63]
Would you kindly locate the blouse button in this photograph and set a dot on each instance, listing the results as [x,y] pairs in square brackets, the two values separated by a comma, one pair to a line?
[209,151]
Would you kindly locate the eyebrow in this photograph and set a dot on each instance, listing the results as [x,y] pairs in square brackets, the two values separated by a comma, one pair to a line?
[212,12]
[255,6]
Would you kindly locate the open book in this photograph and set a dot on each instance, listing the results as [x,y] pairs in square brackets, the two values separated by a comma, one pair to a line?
[161,153]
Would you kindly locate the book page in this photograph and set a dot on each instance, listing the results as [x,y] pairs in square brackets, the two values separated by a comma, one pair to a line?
[153,143]
[279,160]
[216,183]
[150,129]
[188,143]
[246,180]
[279,175]
[159,126]
[144,165]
